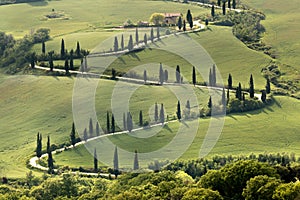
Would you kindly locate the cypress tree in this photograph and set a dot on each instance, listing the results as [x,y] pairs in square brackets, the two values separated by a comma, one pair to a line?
[243,97]
[130,43]
[72,135]
[229,4]
[113,127]
[129,122]
[136,36]
[116,160]
[178,113]
[145,39]
[210,81]
[32,60]
[145,76]
[162,114]
[48,144]
[238,93]
[67,66]
[189,18]
[209,104]
[107,122]
[251,87]
[161,74]
[194,76]
[184,25]
[39,145]
[116,44]
[224,8]
[188,108]
[78,49]
[50,162]
[156,112]
[179,23]
[95,161]
[124,122]
[206,22]
[113,73]
[233,4]
[85,135]
[91,128]
[51,65]
[71,60]
[228,96]
[43,48]
[136,161]
[122,42]
[157,33]
[97,129]
[141,118]
[178,76]
[268,86]
[223,101]
[214,76]
[219,3]
[229,81]
[62,49]
[213,11]
[166,73]
[151,34]
[263,96]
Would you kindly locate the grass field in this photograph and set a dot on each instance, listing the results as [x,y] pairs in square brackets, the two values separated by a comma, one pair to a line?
[90,16]
[238,138]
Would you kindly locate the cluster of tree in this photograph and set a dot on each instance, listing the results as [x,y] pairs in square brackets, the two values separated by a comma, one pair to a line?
[15,54]
[39,151]
[182,23]
[224,178]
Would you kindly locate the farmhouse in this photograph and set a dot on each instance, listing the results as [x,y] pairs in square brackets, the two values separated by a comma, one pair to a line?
[171,18]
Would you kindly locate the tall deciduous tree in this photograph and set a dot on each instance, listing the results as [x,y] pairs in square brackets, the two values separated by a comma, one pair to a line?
[268,86]
[116,44]
[178,76]
[229,81]
[251,87]
[178,113]
[179,23]
[136,161]
[62,49]
[130,43]
[73,135]
[156,112]
[39,145]
[95,161]
[194,76]
[162,114]
[91,127]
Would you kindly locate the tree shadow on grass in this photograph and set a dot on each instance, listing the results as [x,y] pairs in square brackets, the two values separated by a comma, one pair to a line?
[168,128]
[38,3]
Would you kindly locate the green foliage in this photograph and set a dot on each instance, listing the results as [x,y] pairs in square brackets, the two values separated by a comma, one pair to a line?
[201,194]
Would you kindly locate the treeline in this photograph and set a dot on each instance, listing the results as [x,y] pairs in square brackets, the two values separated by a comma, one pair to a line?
[15,54]
[234,178]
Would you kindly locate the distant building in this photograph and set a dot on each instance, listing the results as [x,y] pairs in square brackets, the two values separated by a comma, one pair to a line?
[171,18]
[143,23]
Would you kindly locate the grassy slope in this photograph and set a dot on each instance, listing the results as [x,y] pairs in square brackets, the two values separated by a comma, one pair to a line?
[266,135]
[282,25]
[88,16]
